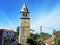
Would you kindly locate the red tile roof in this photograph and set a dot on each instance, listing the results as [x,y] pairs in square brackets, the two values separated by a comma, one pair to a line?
[8,31]
[48,40]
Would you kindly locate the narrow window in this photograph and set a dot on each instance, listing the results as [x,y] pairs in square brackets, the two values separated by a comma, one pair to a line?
[7,32]
[23,14]
[26,14]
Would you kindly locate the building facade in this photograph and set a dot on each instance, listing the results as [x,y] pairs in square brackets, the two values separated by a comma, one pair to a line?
[4,33]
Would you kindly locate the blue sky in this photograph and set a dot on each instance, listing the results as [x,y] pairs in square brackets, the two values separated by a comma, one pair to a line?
[42,12]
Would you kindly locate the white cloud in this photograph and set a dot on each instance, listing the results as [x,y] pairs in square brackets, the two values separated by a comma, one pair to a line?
[51,20]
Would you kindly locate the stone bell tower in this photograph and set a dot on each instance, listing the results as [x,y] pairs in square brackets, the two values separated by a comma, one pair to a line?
[24,24]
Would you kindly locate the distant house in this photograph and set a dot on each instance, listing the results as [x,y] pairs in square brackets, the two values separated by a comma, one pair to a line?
[48,40]
[4,33]
[1,33]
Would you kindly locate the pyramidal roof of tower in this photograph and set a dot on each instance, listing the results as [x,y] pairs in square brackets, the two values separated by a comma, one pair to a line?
[24,7]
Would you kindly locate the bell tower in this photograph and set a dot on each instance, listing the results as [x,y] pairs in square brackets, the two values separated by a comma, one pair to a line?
[25,20]
[24,24]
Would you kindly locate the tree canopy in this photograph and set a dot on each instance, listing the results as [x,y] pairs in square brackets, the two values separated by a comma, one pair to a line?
[35,39]
[57,38]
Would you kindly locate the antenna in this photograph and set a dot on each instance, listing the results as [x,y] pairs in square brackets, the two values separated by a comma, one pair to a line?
[40,29]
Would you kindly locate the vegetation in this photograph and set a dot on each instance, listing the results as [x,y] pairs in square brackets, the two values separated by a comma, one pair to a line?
[43,34]
[7,39]
[57,38]
[17,33]
[17,30]
[34,39]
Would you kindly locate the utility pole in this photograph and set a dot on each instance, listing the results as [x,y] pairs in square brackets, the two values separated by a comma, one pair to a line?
[40,29]
[41,32]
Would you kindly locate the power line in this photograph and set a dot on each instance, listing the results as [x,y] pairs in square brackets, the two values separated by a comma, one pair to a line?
[41,28]
[50,28]
[46,27]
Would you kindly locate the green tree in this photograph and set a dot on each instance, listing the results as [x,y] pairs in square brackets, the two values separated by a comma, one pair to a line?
[57,38]
[43,34]
[39,42]
[35,39]
[17,33]
[34,36]
[7,38]
[18,30]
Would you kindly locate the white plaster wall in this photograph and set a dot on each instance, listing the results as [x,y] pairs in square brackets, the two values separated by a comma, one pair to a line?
[5,33]
[46,44]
